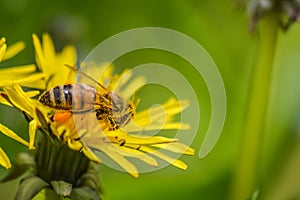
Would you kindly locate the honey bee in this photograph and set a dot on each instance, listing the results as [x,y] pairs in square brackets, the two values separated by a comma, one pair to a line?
[110,109]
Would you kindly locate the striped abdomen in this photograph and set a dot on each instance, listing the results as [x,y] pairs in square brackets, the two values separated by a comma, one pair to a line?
[72,97]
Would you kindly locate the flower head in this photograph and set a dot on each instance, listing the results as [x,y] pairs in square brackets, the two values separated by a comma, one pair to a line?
[112,126]
[288,11]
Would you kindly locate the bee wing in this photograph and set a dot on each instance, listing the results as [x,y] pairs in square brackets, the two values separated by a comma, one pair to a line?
[86,76]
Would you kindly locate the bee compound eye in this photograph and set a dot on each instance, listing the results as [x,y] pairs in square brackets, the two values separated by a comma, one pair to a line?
[117,102]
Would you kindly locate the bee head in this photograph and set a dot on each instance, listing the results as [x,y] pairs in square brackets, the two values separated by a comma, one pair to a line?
[122,110]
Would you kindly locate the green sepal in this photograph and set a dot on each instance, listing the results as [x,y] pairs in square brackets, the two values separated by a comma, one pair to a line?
[41,118]
[90,178]
[86,193]
[62,188]
[29,187]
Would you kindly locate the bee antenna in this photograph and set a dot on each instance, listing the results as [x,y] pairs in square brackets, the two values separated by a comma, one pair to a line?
[85,75]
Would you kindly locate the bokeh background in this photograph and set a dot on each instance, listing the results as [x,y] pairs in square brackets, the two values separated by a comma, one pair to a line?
[222,29]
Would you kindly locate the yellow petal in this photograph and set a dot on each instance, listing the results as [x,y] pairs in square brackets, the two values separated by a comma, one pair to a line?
[118,135]
[32,132]
[58,72]
[48,47]
[32,93]
[4,160]
[106,72]
[172,161]
[4,99]
[173,106]
[90,155]
[6,131]
[133,86]
[129,152]
[158,118]
[19,99]
[24,69]
[176,147]
[52,63]
[2,41]
[118,158]
[132,127]
[75,145]
[121,80]
[23,75]
[179,126]
[31,80]
[38,84]
[160,114]
[68,55]
[142,156]
[115,82]
[13,50]
[39,57]
[113,153]
[2,51]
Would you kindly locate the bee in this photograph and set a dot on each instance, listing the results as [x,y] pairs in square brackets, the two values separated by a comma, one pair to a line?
[110,109]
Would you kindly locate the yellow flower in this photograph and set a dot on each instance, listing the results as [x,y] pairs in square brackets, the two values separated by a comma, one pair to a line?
[108,142]
[80,134]
[119,144]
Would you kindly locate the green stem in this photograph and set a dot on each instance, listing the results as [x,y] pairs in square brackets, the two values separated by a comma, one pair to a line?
[246,177]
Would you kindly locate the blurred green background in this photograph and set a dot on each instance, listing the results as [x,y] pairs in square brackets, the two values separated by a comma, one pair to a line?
[223,31]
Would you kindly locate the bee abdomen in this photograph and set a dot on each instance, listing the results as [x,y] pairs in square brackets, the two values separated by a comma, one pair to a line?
[73,97]
[59,97]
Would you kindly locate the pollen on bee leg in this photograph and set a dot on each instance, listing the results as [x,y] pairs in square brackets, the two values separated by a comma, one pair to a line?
[62,116]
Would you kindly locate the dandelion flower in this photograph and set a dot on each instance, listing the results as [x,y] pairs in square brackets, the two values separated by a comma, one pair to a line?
[66,143]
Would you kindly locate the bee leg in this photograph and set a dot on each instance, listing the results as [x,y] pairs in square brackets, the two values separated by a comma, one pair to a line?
[62,116]
[112,122]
